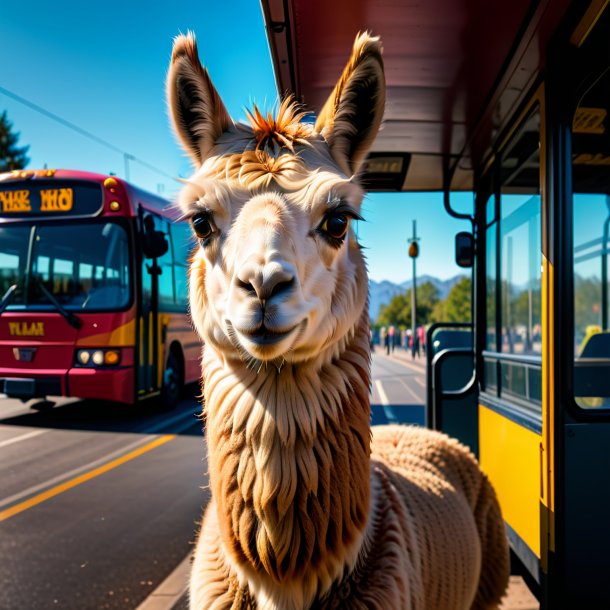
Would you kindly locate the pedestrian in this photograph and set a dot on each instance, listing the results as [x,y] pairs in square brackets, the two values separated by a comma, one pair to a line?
[415,348]
[421,335]
[387,344]
[392,343]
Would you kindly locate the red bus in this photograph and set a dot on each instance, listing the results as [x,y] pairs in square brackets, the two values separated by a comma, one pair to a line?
[93,290]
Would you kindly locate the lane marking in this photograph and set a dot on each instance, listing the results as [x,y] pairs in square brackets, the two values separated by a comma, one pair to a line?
[165,596]
[87,476]
[411,391]
[382,395]
[74,472]
[23,437]
[422,382]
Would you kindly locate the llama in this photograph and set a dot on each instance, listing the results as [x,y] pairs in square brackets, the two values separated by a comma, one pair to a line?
[308,508]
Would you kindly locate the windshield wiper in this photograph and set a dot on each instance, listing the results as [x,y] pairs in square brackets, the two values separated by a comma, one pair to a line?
[7,298]
[70,318]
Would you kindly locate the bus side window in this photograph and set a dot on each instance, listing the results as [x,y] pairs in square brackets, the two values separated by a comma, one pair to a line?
[513,272]
[183,243]
[591,250]
[166,278]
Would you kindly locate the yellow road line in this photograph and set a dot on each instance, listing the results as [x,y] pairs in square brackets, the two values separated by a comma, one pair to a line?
[58,489]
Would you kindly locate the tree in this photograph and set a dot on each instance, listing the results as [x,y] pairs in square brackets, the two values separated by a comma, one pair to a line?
[11,155]
[457,306]
[398,311]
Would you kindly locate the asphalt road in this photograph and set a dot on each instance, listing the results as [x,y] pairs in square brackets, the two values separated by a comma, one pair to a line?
[99,503]
[398,388]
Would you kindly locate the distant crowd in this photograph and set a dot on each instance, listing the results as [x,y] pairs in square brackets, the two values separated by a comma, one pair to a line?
[390,338]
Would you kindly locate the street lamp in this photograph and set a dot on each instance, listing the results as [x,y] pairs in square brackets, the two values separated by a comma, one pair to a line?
[414,253]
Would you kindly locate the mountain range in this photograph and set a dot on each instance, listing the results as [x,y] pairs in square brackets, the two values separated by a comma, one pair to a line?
[381,293]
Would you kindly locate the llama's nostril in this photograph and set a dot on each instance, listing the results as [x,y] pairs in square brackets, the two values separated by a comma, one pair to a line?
[280,287]
[265,281]
[247,286]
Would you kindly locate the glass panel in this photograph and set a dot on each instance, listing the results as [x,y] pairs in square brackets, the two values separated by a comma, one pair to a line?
[491,375]
[520,235]
[166,279]
[521,277]
[13,258]
[513,380]
[65,265]
[522,382]
[490,210]
[491,342]
[591,185]
[183,243]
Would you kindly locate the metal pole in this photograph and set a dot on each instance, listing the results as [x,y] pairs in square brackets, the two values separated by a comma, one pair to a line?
[413,253]
[414,302]
[127,158]
[604,311]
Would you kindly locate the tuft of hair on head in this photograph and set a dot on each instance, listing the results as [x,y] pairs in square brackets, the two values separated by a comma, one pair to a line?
[283,130]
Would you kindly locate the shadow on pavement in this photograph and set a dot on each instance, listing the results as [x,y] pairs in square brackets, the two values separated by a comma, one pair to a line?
[397,414]
[147,417]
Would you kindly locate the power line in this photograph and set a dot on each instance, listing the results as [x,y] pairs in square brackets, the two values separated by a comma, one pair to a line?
[83,132]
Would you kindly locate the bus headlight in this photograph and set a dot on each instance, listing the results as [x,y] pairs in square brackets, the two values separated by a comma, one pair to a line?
[98,357]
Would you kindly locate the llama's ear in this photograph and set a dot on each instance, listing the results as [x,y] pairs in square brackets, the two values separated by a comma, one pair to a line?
[350,119]
[198,115]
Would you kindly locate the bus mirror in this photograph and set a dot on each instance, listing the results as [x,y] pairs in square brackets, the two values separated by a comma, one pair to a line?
[464,249]
[154,243]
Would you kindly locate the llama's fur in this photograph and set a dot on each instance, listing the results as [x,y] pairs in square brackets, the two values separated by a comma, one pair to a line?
[306,512]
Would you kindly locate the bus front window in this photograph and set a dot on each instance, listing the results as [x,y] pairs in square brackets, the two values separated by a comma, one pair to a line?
[85,266]
[13,259]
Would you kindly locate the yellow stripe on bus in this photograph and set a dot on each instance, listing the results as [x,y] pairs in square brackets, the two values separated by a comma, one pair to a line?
[87,476]
[510,456]
[123,336]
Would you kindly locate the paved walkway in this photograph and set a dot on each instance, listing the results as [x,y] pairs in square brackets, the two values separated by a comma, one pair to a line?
[519,597]
[403,355]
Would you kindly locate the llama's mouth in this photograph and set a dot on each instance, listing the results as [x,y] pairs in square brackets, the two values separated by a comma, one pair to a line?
[264,336]
[264,343]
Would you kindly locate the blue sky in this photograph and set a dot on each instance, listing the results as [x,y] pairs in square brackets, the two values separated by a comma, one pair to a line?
[102,67]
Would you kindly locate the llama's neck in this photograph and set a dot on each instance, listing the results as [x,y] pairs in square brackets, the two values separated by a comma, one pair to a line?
[289,467]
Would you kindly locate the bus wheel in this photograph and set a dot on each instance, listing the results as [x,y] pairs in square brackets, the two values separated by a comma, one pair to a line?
[172,381]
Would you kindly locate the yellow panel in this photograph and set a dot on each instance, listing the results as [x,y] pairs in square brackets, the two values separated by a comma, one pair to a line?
[123,336]
[510,456]
[588,21]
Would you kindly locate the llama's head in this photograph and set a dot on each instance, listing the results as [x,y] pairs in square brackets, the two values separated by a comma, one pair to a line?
[278,274]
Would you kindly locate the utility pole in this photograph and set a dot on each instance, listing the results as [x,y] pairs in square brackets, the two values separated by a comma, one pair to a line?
[414,253]
[127,158]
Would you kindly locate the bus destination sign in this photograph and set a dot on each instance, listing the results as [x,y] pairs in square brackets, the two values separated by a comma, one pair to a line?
[54,198]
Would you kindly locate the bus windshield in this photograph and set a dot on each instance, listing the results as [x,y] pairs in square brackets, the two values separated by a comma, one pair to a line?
[85,266]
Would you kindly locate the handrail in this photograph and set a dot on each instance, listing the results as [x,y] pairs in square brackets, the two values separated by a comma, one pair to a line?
[518,358]
[438,394]
[429,356]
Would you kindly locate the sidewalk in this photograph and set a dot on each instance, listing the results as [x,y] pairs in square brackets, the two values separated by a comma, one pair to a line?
[518,596]
[403,355]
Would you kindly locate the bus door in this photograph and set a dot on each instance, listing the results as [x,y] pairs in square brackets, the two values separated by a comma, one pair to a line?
[581,383]
[154,247]
[509,325]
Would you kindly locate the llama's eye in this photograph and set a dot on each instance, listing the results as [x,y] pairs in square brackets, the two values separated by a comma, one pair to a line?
[335,225]
[202,226]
